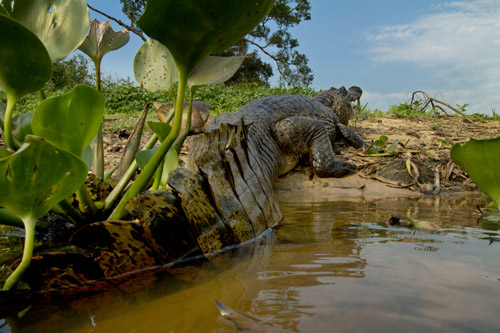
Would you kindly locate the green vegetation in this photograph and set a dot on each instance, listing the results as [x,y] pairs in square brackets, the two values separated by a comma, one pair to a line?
[70,72]
[407,110]
[207,28]
[125,98]
[379,147]
[366,113]
[41,170]
[231,98]
[39,175]
[481,160]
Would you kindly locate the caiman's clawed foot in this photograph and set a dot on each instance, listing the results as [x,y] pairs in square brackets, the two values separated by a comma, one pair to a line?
[338,169]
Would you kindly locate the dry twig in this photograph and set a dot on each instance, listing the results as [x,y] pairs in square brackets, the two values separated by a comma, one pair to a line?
[432,101]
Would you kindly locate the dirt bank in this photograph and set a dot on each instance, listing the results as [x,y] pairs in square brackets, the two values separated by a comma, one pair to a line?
[425,142]
[423,147]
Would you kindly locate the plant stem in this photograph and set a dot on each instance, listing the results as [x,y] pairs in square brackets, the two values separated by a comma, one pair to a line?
[72,212]
[29,240]
[143,179]
[41,95]
[85,202]
[97,64]
[157,177]
[180,140]
[98,150]
[120,186]
[98,145]
[10,141]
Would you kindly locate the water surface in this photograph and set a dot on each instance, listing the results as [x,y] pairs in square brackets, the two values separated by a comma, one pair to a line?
[328,267]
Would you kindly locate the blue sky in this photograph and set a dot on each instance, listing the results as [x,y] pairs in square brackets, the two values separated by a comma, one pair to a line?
[390,48]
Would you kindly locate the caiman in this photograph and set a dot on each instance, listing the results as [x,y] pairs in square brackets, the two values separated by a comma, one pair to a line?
[284,128]
[223,198]
[240,155]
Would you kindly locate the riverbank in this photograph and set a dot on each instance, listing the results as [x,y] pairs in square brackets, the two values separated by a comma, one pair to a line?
[414,160]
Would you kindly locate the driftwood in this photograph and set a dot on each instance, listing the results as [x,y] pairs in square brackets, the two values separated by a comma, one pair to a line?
[434,103]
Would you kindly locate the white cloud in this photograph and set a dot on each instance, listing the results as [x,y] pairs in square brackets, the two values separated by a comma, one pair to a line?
[459,45]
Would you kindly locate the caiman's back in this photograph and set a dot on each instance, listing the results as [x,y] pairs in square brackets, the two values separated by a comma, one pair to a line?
[269,110]
[263,114]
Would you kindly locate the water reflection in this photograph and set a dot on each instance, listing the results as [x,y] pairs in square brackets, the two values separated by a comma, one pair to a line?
[330,266]
[308,284]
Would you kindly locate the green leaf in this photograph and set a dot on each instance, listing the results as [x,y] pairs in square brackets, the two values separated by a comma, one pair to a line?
[431,153]
[2,114]
[393,147]
[88,156]
[25,65]
[161,129]
[60,24]
[481,160]
[21,126]
[154,67]
[102,39]
[444,143]
[4,152]
[193,29]
[171,162]
[491,218]
[214,70]
[142,157]
[383,138]
[70,121]
[378,146]
[37,177]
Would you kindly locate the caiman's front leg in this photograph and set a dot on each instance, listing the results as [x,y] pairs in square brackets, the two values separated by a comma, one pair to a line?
[301,135]
[350,137]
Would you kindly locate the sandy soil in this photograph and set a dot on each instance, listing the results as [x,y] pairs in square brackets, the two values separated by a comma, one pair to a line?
[426,142]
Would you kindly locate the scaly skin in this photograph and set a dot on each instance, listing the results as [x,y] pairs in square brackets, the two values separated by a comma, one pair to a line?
[284,128]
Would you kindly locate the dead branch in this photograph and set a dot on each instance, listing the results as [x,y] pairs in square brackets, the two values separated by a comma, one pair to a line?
[431,100]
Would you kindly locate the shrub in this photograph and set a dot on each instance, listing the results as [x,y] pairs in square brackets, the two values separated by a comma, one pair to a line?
[130,99]
[407,110]
[123,97]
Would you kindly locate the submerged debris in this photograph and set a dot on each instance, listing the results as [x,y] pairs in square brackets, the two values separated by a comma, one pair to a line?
[410,222]
[246,323]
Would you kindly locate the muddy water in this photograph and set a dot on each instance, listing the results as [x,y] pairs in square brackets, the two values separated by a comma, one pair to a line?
[329,267]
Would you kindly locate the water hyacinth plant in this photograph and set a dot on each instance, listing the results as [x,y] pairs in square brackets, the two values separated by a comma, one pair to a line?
[100,40]
[41,172]
[42,165]
[191,30]
[481,160]
[35,179]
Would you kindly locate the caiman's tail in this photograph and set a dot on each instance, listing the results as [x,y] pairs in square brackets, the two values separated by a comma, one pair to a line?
[242,196]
